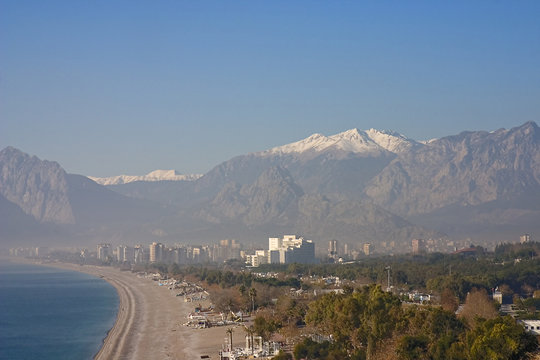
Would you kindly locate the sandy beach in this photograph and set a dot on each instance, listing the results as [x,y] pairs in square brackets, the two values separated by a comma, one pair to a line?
[150,321]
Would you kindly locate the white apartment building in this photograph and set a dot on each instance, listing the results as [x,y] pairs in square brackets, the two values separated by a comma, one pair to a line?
[124,254]
[260,257]
[290,249]
[138,254]
[103,251]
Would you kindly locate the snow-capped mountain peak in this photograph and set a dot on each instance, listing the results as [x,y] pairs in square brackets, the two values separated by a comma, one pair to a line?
[317,142]
[356,141]
[392,141]
[350,134]
[156,175]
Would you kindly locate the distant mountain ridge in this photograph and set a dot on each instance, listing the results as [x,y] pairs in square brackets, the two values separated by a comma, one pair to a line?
[473,178]
[156,175]
[370,142]
[38,187]
[65,207]
[356,186]
[275,203]
[471,168]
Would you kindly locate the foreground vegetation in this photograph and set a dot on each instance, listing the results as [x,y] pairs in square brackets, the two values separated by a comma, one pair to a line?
[372,324]
[356,319]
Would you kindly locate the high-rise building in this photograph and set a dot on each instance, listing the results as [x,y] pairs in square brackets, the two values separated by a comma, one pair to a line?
[274,243]
[128,254]
[273,257]
[197,253]
[227,249]
[103,251]
[180,255]
[42,251]
[367,249]
[525,238]
[138,254]
[291,249]
[156,252]
[418,246]
[121,253]
[333,248]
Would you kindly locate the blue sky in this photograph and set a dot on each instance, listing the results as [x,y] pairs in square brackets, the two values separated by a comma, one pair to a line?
[127,87]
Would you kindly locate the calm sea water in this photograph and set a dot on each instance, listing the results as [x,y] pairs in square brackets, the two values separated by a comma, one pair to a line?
[48,313]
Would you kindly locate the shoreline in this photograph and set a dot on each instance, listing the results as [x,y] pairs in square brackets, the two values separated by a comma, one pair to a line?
[138,331]
[149,321]
[114,341]
[112,344]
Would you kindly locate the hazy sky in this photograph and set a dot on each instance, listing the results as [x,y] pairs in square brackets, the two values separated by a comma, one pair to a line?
[126,87]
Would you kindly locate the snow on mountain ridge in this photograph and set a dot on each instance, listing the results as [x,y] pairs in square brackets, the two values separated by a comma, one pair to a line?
[357,141]
[317,142]
[156,175]
[392,141]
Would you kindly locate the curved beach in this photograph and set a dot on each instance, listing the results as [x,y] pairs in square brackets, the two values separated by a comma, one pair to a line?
[149,320]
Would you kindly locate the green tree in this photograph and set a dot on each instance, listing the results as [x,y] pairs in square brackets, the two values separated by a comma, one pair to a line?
[265,327]
[379,317]
[283,356]
[430,331]
[308,349]
[413,347]
[252,296]
[499,339]
[359,321]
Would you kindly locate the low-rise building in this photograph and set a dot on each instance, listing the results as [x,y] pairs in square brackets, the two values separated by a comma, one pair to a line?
[531,326]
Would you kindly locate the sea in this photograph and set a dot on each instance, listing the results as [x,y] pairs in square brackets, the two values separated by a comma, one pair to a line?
[48,313]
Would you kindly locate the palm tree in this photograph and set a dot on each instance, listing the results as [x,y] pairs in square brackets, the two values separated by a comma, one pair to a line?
[250,331]
[230,331]
[252,296]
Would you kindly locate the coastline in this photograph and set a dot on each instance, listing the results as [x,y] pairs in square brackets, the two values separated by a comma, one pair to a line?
[150,318]
[114,341]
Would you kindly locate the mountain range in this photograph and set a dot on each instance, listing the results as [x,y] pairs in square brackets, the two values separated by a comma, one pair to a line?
[156,175]
[356,186]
